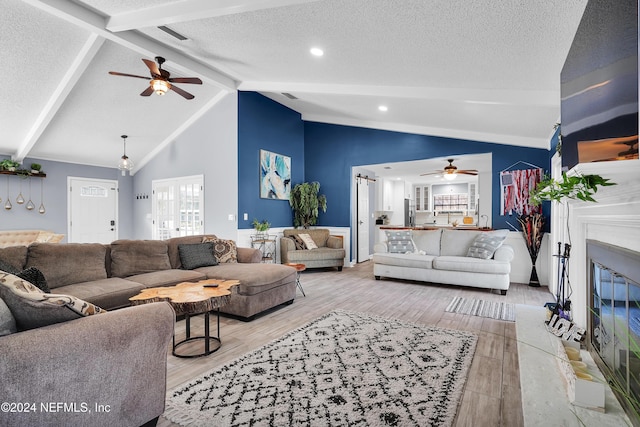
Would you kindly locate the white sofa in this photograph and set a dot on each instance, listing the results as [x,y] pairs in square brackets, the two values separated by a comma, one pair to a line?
[442,256]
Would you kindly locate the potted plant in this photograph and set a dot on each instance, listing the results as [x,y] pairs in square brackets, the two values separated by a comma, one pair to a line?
[9,165]
[261,227]
[36,168]
[306,204]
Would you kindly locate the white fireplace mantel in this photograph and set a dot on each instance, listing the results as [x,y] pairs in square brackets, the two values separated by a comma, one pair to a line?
[614,219]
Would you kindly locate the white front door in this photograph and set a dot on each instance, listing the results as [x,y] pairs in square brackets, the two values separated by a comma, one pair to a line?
[93,210]
[363,220]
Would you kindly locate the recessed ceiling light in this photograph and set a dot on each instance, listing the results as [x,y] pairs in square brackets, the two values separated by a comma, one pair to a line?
[383,108]
[316,51]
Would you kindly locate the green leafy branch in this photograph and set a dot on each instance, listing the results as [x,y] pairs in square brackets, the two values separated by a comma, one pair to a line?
[581,187]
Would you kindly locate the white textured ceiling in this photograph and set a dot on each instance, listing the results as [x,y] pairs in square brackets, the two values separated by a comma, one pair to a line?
[480,70]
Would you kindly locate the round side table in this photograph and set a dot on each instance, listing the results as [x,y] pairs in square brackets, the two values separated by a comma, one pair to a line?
[190,299]
[299,268]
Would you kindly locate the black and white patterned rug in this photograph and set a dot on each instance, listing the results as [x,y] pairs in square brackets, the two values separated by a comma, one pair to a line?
[342,369]
[477,307]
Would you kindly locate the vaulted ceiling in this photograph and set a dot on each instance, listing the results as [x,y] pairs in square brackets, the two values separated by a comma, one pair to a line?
[481,70]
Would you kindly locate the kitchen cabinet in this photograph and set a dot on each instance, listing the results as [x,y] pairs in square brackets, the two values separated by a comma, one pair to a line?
[473,197]
[384,195]
[422,198]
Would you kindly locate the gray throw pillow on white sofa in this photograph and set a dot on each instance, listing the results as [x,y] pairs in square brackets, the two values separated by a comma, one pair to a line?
[485,244]
[399,242]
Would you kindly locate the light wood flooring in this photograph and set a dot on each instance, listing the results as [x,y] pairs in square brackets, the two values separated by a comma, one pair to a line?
[492,394]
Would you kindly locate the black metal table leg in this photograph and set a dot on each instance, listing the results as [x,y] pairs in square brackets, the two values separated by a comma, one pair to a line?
[211,344]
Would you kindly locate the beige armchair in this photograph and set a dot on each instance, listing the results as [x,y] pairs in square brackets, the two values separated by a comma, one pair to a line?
[329,253]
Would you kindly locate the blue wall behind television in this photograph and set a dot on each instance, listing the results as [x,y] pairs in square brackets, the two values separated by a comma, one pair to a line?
[266,125]
[326,153]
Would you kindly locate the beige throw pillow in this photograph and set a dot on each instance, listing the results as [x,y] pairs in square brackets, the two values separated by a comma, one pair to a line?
[33,308]
[224,250]
[308,241]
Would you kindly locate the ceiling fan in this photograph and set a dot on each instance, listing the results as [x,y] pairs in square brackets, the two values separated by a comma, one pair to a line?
[450,171]
[161,81]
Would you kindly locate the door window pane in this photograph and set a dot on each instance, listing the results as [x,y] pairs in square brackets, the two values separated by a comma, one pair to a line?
[178,207]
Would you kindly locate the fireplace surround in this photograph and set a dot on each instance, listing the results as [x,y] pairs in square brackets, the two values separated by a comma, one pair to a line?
[614,221]
[614,320]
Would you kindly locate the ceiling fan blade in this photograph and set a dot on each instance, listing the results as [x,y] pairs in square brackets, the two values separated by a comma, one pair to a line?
[153,67]
[432,173]
[148,91]
[115,73]
[468,172]
[181,92]
[190,80]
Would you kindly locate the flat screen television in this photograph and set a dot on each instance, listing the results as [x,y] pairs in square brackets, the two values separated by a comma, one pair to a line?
[599,86]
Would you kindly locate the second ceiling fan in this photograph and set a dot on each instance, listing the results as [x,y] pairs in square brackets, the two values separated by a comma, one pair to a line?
[161,80]
[450,171]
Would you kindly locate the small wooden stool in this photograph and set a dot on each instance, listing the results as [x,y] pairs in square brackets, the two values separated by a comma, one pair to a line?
[299,268]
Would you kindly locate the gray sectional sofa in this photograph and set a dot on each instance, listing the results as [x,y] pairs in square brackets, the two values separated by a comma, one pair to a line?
[109,369]
[108,275]
[102,370]
[453,257]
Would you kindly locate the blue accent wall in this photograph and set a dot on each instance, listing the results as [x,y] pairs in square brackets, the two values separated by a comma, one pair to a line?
[332,150]
[326,153]
[266,125]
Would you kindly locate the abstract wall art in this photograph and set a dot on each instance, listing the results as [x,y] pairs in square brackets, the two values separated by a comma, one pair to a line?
[275,176]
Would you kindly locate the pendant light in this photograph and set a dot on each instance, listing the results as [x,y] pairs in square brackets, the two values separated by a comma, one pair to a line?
[30,206]
[125,163]
[20,199]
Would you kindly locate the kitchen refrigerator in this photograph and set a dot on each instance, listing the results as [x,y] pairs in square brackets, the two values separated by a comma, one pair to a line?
[409,214]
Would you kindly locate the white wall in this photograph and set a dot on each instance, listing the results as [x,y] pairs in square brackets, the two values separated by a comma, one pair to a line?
[208,147]
[521,264]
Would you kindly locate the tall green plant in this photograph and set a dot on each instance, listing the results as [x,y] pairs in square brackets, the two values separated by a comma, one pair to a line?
[306,204]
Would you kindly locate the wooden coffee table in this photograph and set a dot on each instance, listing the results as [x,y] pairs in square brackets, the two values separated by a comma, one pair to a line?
[299,268]
[188,299]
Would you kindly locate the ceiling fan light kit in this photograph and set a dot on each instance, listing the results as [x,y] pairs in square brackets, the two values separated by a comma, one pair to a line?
[450,171]
[161,80]
[160,86]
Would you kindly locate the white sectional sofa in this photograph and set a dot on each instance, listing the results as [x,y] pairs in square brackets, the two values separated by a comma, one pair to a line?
[444,256]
